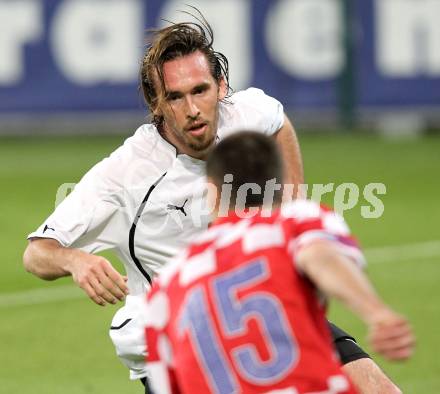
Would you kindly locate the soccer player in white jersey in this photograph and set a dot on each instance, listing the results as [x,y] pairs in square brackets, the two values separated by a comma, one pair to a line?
[146,201]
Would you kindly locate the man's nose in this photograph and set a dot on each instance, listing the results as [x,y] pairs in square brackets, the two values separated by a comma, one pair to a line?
[192,108]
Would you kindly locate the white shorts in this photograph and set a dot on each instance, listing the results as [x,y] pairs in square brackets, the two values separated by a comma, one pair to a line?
[128,335]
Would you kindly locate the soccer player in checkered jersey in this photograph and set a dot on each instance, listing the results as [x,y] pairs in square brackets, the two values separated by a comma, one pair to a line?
[242,309]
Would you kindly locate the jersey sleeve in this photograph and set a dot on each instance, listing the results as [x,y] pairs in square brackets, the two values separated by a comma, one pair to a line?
[88,217]
[307,222]
[260,111]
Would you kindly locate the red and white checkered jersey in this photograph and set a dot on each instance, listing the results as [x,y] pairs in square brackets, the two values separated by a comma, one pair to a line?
[233,314]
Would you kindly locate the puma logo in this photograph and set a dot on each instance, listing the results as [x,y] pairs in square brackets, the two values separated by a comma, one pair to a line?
[46,227]
[177,208]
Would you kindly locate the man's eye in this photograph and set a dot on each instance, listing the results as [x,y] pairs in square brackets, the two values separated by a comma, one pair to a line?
[199,91]
[173,98]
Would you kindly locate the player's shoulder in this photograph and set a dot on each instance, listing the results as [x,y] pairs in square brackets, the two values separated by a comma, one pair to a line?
[137,144]
[251,109]
[308,213]
[145,151]
[144,142]
[249,93]
[254,98]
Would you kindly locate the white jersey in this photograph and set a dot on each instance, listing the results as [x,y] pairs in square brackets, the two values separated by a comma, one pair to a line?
[146,202]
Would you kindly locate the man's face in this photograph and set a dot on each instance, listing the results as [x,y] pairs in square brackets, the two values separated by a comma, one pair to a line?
[190,106]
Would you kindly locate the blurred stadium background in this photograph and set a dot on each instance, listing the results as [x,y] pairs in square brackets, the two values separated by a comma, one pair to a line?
[360,80]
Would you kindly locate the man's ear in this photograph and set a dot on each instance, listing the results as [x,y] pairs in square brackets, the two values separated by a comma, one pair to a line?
[222,88]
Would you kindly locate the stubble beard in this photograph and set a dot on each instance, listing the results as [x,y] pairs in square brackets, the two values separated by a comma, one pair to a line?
[205,142]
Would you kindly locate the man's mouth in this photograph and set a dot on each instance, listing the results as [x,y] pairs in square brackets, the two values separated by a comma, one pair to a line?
[197,129]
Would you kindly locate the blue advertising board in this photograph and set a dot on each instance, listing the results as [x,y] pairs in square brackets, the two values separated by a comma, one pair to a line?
[84,55]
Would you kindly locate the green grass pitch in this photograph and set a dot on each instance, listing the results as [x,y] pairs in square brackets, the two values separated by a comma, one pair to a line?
[62,346]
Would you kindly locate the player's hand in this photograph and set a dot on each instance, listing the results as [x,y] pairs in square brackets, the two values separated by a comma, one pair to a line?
[391,336]
[97,277]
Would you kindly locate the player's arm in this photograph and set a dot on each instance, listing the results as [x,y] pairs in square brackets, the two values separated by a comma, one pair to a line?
[87,219]
[337,276]
[369,378]
[346,346]
[362,370]
[287,142]
[48,259]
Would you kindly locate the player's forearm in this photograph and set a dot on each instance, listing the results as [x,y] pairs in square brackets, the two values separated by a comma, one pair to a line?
[338,277]
[369,378]
[47,259]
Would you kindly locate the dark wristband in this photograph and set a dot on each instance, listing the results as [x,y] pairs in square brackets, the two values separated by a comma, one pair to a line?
[346,345]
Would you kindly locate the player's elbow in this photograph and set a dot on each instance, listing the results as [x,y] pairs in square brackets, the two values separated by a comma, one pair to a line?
[392,389]
[28,260]
[31,262]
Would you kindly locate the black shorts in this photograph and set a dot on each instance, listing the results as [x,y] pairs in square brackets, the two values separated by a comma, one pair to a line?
[346,345]
[144,381]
